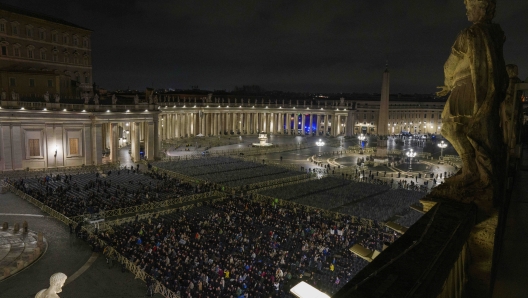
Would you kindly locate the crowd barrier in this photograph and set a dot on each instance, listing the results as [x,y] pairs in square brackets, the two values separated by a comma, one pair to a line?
[147,207]
[53,213]
[325,213]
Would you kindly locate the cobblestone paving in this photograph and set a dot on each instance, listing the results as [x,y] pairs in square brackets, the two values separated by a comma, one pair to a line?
[65,254]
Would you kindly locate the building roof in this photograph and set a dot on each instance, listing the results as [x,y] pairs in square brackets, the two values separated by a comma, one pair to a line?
[37,15]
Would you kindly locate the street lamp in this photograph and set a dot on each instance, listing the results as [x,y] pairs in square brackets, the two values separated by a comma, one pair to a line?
[410,154]
[361,138]
[442,146]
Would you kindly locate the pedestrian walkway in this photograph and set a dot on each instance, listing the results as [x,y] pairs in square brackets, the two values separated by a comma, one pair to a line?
[66,253]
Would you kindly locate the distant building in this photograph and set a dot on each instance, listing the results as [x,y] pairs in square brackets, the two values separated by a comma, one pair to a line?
[40,53]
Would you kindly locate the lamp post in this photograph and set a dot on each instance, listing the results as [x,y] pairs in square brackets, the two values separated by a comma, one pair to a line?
[361,138]
[442,145]
[410,154]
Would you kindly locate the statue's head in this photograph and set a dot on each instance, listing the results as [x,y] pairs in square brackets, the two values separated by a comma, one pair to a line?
[57,280]
[480,10]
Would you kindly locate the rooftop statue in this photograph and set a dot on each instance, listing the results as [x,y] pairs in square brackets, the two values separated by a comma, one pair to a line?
[476,81]
[56,282]
[475,77]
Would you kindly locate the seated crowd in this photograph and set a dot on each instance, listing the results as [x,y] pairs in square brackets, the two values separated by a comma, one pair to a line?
[74,195]
[378,202]
[245,248]
[227,170]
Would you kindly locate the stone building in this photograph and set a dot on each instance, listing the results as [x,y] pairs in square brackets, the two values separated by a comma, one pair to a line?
[40,53]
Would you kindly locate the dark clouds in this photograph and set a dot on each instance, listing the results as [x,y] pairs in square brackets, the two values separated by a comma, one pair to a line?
[295,45]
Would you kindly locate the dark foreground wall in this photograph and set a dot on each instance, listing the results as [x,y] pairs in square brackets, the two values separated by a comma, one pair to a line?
[418,263]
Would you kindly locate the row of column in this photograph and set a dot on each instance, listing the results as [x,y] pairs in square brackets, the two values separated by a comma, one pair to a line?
[178,125]
[116,134]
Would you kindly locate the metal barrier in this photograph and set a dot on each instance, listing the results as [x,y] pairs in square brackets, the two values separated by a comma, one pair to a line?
[149,206]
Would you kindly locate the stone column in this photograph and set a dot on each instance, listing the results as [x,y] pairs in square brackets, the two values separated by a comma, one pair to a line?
[325,124]
[188,123]
[135,141]
[311,124]
[215,124]
[114,142]
[303,119]
[157,141]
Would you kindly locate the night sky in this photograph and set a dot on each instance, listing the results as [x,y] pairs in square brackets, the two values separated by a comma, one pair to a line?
[293,45]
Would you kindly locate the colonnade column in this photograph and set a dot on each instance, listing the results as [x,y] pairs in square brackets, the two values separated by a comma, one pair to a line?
[325,124]
[157,142]
[311,124]
[303,119]
[114,141]
[135,141]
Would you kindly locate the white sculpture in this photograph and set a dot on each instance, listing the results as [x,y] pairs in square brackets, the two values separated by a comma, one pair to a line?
[136,99]
[86,98]
[156,99]
[13,95]
[46,96]
[96,99]
[150,98]
[114,99]
[57,280]
[4,95]
[57,97]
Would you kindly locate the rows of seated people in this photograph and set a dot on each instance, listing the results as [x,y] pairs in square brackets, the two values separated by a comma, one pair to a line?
[242,247]
[94,192]
[364,200]
[227,171]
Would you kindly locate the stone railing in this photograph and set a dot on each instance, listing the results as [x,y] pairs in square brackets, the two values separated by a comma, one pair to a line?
[77,106]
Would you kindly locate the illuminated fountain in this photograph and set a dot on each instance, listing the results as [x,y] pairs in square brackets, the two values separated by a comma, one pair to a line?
[263,138]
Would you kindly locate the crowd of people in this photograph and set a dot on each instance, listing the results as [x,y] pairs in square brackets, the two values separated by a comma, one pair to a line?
[237,247]
[90,193]
[364,200]
[246,248]
[227,171]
